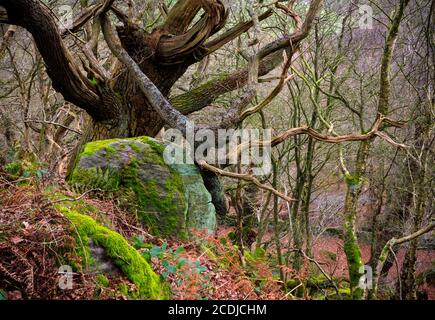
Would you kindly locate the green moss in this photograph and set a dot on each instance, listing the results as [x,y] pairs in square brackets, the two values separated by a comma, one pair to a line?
[109,147]
[132,264]
[353,180]
[92,147]
[96,178]
[157,147]
[159,213]
[14,168]
[102,280]
[184,102]
[256,256]
[354,261]
[123,289]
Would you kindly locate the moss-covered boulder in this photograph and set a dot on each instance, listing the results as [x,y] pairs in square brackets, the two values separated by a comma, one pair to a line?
[90,235]
[170,200]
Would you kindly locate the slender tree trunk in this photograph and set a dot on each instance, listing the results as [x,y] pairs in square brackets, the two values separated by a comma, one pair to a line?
[276,220]
[407,286]
[353,192]
[354,182]
[249,200]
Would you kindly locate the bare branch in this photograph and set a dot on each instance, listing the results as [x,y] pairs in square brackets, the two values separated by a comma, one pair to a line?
[55,124]
[87,15]
[389,246]
[297,36]
[233,33]
[246,177]
[66,76]
[175,49]
[337,139]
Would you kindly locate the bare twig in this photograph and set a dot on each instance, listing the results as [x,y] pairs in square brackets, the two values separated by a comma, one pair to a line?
[245,177]
[55,124]
[70,199]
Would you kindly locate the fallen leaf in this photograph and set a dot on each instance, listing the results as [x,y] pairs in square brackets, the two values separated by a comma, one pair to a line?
[15,295]
[16,240]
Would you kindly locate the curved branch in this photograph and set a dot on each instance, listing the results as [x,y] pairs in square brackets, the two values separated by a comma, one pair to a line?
[202,96]
[275,141]
[65,75]
[375,131]
[175,49]
[171,116]
[389,246]
[245,177]
[181,15]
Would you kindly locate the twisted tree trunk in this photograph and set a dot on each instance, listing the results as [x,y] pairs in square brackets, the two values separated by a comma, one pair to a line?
[118,103]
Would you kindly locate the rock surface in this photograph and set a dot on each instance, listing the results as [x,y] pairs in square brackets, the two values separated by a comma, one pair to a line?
[170,200]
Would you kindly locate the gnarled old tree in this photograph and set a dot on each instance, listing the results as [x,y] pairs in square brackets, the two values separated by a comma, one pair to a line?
[132,95]
[132,98]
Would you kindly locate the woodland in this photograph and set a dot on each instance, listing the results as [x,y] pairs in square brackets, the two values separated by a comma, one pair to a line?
[338,98]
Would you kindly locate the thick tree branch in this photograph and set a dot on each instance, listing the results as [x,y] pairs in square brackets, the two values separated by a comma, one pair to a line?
[198,98]
[65,75]
[172,117]
[176,49]
[181,15]
[270,57]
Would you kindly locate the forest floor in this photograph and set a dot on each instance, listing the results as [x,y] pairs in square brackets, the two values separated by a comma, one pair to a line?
[34,238]
[34,242]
